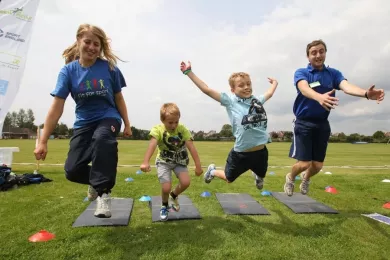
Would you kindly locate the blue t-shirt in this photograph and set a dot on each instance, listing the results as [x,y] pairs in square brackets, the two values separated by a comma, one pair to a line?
[92,89]
[248,119]
[321,81]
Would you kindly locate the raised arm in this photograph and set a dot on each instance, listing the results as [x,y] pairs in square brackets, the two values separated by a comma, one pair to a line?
[186,69]
[269,93]
[371,93]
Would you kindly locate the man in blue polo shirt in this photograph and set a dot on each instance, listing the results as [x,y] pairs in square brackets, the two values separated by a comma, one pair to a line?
[316,85]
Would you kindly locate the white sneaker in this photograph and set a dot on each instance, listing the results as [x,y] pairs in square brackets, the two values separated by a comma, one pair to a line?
[103,207]
[304,187]
[92,193]
[289,186]
[207,175]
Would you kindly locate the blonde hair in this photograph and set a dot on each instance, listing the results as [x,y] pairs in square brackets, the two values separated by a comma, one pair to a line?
[235,75]
[73,53]
[169,109]
[315,43]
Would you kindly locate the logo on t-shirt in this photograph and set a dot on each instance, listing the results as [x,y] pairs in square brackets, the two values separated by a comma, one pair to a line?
[256,117]
[92,87]
[177,152]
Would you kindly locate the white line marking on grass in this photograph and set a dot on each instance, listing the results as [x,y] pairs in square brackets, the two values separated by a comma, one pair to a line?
[289,166]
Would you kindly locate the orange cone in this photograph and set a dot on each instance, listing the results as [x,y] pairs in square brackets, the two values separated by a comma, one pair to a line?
[331,190]
[41,236]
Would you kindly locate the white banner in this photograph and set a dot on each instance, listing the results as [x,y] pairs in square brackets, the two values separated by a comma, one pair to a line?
[16,20]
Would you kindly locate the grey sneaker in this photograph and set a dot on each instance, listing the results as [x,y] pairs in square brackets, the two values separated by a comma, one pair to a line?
[175,203]
[304,187]
[258,181]
[92,193]
[103,208]
[289,186]
[207,175]
[164,213]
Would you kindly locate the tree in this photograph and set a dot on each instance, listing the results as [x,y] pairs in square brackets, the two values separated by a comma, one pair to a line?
[136,134]
[62,129]
[30,120]
[14,119]
[21,118]
[7,121]
[274,135]
[226,131]
[288,135]
[354,138]
[379,135]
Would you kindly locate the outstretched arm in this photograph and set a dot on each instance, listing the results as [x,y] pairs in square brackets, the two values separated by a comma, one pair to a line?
[269,93]
[145,167]
[326,100]
[371,93]
[186,69]
[194,153]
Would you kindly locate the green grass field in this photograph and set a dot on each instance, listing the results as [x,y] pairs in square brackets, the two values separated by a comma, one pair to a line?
[54,207]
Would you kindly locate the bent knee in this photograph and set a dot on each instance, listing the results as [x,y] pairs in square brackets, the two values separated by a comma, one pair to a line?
[304,165]
[317,166]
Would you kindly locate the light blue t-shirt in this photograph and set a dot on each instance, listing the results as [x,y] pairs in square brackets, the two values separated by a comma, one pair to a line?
[248,119]
[93,89]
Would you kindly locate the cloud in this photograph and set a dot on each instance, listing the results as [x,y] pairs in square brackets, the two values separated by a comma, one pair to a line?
[267,40]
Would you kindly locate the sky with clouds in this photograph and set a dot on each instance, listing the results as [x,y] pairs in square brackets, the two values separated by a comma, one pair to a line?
[219,37]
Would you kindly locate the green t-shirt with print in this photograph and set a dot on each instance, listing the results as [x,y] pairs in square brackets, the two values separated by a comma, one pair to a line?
[171,145]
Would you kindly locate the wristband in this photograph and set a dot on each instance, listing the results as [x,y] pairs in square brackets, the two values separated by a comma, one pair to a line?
[366,95]
[186,71]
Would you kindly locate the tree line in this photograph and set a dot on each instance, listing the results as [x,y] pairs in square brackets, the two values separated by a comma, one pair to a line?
[25,119]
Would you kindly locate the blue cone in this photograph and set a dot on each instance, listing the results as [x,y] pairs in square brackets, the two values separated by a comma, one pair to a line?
[129,179]
[205,194]
[271,173]
[266,193]
[297,178]
[145,198]
[86,199]
[138,172]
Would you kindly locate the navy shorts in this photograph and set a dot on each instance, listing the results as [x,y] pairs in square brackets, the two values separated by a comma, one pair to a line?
[310,140]
[239,162]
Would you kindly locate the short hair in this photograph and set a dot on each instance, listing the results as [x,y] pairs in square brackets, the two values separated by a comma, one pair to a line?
[235,75]
[169,109]
[315,43]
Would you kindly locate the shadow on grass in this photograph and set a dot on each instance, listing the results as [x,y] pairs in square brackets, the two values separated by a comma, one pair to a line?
[376,225]
[186,237]
[289,227]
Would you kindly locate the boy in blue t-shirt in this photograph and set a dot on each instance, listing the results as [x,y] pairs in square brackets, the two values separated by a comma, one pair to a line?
[249,125]
[316,85]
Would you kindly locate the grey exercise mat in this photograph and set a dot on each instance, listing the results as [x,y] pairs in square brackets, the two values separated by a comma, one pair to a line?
[299,203]
[121,209]
[240,204]
[187,209]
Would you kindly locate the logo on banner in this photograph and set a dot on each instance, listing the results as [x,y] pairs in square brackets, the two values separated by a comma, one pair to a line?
[18,13]
[11,36]
[10,60]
